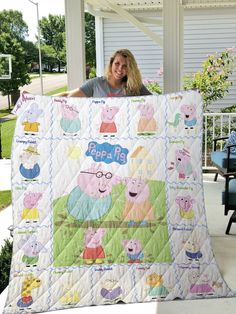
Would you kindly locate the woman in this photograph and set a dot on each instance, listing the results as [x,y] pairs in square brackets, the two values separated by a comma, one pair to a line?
[122,78]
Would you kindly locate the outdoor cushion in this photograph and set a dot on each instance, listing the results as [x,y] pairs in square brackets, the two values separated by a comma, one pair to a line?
[219,158]
[108,203]
[231,141]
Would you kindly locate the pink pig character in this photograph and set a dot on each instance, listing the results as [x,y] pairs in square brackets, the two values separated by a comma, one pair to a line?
[183,164]
[93,252]
[137,205]
[91,199]
[133,250]
[189,115]
[108,119]
[146,122]
[30,211]
[185,205]
[70,122]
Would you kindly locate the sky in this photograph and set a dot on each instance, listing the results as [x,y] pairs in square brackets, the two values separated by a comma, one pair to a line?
[29,11]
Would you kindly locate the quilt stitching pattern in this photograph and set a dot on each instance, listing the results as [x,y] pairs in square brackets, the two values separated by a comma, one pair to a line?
[108,204]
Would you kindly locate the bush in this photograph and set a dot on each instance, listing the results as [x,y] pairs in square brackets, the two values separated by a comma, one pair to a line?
[213,80]
[153,86]
[5,264]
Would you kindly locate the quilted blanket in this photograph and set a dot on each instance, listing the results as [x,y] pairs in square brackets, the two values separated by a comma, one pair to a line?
[108,203]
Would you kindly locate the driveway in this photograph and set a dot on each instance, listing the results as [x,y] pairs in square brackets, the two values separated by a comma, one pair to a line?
[50,82]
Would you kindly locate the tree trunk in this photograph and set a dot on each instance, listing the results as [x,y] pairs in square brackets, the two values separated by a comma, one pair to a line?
[15,96]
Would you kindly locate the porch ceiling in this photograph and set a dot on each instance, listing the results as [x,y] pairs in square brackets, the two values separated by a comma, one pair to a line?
[150,5]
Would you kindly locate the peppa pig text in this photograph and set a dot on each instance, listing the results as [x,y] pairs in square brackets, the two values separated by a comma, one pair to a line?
[107,153]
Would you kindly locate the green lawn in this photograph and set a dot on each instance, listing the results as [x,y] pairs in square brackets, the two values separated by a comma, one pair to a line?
[4,112]
[56,91]
[7,132]
[5,199]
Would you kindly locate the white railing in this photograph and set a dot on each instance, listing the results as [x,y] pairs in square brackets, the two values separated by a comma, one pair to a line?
[215,125]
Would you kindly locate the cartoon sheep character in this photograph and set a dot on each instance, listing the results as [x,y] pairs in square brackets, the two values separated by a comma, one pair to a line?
[30,119]
[91,198]
[147,124]
[137,204]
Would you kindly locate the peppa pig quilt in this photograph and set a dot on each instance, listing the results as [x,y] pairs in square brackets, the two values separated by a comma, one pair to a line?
[108,203]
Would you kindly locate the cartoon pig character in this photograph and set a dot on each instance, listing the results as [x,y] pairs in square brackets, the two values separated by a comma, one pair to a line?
[29,167]
[137,205]
[185,205]
[91,198]
[189,115]
[146,124]
[30,119]
[183,164]
[31,248]
[199,286]
[93,252]
[70,122]
[111,291]
[133,250]
[157,289]
[108,124]
[30,211]
[192,250]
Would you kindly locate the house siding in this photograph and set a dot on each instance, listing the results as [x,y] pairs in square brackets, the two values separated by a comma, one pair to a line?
[205,32]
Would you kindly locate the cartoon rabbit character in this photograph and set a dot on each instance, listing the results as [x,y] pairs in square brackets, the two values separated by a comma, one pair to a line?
[31,248]
[147,124]
[200,285]
[29,167]
[30,119]
[137,205]
[30,211]
[111,291]
[133,250]
[93,252]
[108,125]
[185,205]
[91,198]
[189,115]
[70,122]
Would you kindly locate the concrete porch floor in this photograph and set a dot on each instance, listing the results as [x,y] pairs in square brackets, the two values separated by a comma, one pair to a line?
[224,247]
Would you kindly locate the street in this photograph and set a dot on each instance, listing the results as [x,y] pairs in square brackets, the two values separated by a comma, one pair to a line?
[50,82]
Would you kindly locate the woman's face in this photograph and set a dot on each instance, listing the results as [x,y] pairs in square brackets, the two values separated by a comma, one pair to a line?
[119,68]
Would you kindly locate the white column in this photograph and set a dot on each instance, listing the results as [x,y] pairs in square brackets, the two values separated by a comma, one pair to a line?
[75,42]
[173,45]
[99,46]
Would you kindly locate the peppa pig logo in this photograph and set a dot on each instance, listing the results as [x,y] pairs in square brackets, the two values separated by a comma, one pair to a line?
[107,153]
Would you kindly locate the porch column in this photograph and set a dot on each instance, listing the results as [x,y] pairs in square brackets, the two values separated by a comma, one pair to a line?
[173,45]
[75,42]
[99,46]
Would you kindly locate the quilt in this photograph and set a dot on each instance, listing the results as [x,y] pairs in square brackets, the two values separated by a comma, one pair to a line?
[108,203]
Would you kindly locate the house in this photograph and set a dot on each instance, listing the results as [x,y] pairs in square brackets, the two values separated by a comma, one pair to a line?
[142,163]
[175,35]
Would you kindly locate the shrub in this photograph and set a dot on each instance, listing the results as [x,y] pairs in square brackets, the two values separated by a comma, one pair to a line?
[5,264]
[153,86]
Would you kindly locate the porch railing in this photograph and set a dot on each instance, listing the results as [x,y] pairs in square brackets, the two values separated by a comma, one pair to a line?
[215,125]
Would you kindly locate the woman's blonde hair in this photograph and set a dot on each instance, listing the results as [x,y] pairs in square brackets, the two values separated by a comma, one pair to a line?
[133,81]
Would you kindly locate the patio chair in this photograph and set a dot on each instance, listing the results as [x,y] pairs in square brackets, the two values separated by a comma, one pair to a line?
[223,160]
[229,198]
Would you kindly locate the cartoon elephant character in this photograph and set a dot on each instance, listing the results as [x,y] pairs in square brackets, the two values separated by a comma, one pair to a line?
[30,119]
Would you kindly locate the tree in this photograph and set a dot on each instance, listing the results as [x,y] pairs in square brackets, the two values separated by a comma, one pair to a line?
[90,39]
[12,22]
[53,34]
[31,52]
[13,30]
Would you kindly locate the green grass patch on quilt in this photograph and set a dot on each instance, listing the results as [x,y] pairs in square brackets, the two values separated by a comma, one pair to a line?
[69,233]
